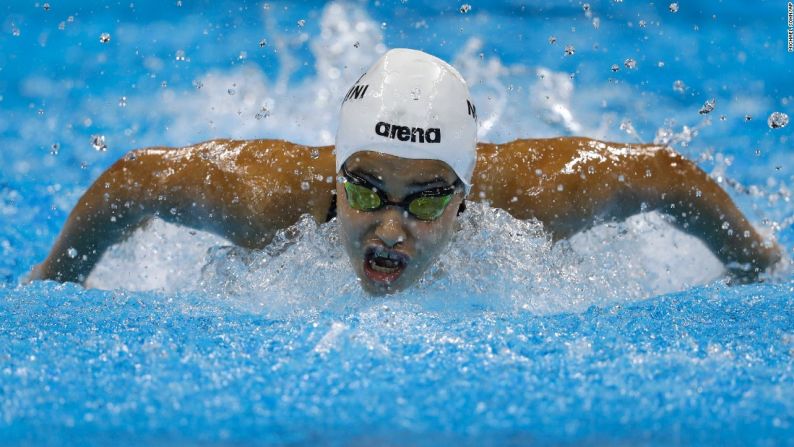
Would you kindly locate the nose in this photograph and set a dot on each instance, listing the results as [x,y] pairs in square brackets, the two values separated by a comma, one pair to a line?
[390,229]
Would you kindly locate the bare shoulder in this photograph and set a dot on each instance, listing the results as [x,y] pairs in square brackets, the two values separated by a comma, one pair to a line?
[565,153]
[250,158]
[547,178]
[250,177]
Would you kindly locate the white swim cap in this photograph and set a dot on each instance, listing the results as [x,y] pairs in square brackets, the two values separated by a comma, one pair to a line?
[412,105]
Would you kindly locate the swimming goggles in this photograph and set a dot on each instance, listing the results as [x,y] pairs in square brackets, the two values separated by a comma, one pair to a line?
[424,205]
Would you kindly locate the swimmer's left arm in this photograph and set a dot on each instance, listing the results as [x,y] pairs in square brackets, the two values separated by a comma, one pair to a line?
[700,207]
[570,184]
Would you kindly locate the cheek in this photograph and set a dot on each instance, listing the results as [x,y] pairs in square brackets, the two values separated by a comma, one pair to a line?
[430,238]
[440,234]
[352,226]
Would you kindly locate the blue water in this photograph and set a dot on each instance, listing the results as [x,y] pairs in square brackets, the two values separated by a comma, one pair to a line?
[626,334]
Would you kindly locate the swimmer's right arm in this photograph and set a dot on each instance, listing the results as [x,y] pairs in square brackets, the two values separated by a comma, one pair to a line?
[243,191]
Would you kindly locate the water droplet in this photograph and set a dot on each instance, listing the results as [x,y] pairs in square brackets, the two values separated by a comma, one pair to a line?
[172,211]
[679,86]
[112,218]
[383,25]
[356,44]
[54,149]
[591,169]
[560,187]
[243,55]
[104,37]
[62,26]
[746,234]
[198,84]
[626,126]
[98,141]
[596,23]
[70,19]
[266,6]
[83,165]
[464,8]
[305,186]
[725,225]
[630,63]
[46,6]
[723,117]
[15,31]
[758,152]
[552,40]
[164,84]
[777,120]
[262,43]
[708,106]
[615,67]
[642,23]
[231,92]
[40,112]
[180,55]
[416,94]
[314,153]
[301,23]
[673,7]
[263,113]
[123,101]
[648,173]
[569,50]
[698,193]
[621,178]
[748,117]
[586,7]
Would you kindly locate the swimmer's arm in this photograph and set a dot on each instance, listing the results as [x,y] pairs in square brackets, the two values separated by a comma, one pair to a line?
[700,207]
[246,202]
[582,182]
[651,178]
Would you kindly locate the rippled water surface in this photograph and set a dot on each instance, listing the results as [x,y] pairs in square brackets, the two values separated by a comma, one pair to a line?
[625,334]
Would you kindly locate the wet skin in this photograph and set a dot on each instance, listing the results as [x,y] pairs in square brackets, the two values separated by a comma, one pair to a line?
[246,191]
[392,230]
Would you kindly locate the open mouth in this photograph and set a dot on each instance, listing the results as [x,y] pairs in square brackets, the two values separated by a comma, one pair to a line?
[383,265]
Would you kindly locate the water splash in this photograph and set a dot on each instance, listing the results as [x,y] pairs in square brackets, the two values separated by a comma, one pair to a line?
[493,262]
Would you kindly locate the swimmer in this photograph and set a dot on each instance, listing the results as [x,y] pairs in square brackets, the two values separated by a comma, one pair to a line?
[405,158]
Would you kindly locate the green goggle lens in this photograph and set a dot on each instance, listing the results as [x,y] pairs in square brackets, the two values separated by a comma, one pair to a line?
[429,208]
[362,198]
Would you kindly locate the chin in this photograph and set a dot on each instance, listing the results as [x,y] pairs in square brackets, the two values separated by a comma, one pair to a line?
[381,289]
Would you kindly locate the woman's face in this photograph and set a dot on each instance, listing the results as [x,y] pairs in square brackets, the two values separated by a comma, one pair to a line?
[389,248]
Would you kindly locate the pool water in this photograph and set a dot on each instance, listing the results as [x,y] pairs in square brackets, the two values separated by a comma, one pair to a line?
[626,334]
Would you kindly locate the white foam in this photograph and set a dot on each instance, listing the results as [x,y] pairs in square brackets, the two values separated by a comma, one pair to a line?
[493,262]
